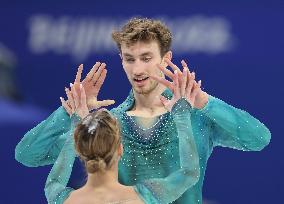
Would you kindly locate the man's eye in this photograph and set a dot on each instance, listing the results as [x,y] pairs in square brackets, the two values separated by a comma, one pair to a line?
[129,60]
[147,59]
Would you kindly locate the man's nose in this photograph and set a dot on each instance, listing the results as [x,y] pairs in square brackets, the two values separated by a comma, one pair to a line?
[139,68]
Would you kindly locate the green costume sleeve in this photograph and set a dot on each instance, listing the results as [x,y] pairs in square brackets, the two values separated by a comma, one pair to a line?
[56,190]
[235,128]
[41,145]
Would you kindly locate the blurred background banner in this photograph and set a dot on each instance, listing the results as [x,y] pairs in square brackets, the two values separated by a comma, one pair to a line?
[235,47]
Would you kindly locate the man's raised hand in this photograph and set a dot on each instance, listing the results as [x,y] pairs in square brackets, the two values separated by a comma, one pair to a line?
[201,97]
[92,85]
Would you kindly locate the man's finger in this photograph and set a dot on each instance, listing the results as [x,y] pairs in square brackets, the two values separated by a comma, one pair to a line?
[167,72]
[163,81]
[100,81]
[98,73]
[176,85]
[172,65]
[92,72]
[184,65]
[104,103]
[193,75]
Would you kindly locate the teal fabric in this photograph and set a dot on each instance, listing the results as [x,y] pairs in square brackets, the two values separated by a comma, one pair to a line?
[56,190]
[162,190]
[41,145]
[217,124]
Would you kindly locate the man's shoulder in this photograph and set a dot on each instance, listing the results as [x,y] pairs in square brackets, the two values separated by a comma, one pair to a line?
[121,108]
[124,106]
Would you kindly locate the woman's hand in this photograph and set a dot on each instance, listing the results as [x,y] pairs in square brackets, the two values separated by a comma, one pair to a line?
[77,103]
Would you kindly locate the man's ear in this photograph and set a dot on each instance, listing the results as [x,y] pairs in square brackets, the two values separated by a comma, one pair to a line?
[120,55]
[169,56]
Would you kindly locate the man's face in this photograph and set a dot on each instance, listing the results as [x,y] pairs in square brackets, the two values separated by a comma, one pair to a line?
[139,61]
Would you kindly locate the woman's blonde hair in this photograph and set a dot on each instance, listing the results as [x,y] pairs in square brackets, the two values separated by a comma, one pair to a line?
[97,138]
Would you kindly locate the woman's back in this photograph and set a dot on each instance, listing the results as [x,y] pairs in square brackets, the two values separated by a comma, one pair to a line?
[104,195]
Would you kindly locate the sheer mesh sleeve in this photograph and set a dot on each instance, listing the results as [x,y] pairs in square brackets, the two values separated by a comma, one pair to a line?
[55,189]
[167,190]
[235,128]
[41,145]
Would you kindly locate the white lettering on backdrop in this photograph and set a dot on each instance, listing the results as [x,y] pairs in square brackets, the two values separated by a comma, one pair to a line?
[81,37]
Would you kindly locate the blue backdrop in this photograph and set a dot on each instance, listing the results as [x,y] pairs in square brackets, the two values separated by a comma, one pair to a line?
[235,47]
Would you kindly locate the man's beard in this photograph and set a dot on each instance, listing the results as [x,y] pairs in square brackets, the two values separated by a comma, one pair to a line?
[146,90]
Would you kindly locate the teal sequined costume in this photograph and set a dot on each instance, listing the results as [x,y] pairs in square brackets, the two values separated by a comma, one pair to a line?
[152,191]
[217,124]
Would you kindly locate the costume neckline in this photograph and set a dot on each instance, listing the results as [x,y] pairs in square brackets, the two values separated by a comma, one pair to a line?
[133,119]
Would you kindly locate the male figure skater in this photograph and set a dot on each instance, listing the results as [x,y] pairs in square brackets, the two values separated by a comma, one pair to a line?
[148,131]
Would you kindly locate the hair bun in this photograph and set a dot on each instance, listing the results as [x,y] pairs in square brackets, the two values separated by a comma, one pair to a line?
[95,165]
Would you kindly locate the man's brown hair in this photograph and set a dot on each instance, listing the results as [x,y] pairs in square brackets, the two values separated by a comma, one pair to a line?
[144,30]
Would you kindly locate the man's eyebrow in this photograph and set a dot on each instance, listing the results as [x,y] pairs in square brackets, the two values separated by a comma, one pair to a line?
[146,53]
[127,55]
[143,54]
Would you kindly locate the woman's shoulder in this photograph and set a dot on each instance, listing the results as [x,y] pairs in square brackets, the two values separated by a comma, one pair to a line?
[90,196]
[82,196]
[74,197]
